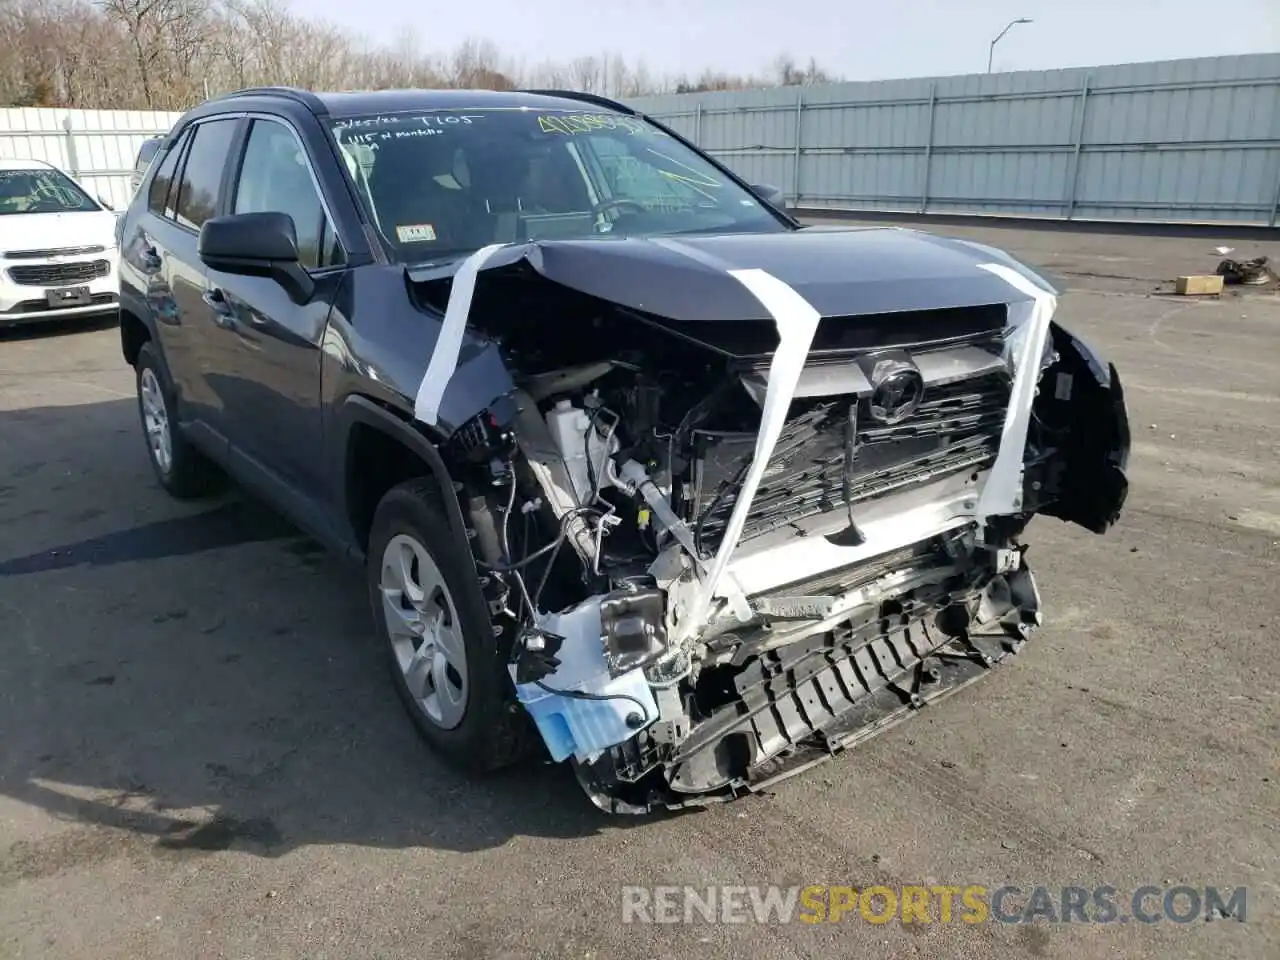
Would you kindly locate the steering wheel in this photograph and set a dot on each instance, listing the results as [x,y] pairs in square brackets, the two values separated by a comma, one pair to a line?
[614,202]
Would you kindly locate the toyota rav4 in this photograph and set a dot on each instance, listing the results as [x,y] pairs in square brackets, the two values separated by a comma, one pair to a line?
[633,460]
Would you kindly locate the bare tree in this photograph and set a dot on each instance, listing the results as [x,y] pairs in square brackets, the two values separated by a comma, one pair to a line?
[787,74]
[169,54]
[164,35]
[550,76]
[586,74]
[477,64]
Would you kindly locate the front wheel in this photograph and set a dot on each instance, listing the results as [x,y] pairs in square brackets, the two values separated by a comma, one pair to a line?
[436,636]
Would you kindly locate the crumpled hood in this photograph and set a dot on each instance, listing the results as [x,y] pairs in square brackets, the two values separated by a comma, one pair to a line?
[698,280]
[50,231]
[842,272]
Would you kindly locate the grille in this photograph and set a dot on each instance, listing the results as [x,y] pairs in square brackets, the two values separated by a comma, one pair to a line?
[56,252]
[956,427]
[54,274]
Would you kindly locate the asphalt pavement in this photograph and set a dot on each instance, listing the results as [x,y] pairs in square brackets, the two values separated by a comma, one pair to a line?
[200,755]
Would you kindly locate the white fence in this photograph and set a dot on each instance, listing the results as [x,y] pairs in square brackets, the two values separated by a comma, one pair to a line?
[1187,140]
[1177,140]
[96,147]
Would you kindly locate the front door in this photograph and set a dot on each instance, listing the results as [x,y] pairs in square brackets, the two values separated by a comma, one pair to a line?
[268,374]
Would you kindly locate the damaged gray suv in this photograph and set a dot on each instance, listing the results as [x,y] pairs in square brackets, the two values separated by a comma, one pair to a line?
[642,472]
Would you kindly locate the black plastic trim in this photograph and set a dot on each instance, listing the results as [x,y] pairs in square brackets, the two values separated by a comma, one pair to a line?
[359,409]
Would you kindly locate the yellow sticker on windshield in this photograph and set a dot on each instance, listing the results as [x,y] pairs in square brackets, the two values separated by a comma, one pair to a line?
[415,233]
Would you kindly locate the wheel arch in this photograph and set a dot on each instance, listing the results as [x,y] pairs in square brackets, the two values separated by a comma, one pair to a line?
[370,431]
[134,333]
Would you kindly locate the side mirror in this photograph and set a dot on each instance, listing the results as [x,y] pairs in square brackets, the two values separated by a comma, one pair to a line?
[256,245]
[770,195]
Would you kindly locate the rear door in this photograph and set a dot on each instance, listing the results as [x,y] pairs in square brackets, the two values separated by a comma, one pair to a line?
[162,275]
[198,194]
[146,247]
[266,368]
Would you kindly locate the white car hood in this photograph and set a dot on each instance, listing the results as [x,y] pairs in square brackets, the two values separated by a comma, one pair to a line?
[48,231]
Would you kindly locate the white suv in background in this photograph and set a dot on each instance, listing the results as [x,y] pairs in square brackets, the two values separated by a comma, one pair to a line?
[58,250]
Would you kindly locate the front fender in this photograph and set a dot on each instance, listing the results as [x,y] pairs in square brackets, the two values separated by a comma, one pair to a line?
[1078,448]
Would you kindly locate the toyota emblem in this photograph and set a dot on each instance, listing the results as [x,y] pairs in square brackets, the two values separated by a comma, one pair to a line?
[896,391]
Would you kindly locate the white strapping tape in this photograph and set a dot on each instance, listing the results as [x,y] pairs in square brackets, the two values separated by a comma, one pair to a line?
[444,358]
[797,321]
[1002,493]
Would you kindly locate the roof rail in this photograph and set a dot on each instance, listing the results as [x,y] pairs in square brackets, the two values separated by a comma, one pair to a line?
[304,97]
[598,100]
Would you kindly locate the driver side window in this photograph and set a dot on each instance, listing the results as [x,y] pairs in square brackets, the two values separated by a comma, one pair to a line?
[275,177]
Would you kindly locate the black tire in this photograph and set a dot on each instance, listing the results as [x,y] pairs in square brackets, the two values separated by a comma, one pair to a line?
[189,474]
[493,731]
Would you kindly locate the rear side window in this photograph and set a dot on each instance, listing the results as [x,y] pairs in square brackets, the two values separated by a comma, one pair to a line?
[158,195]
[198,193]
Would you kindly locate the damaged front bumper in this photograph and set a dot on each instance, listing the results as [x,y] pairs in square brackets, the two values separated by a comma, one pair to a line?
[817,643]
[777,710]
[785,622]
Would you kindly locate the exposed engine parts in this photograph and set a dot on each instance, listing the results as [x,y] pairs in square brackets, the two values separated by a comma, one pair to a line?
[691,612]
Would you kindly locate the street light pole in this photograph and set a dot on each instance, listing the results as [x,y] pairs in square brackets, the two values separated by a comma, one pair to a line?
[1009,26]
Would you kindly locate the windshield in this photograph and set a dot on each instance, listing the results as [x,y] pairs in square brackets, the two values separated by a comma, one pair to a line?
[453,181]
[41,191]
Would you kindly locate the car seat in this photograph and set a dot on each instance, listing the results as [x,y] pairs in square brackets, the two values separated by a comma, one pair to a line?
[19,191]
[406,192]
[496,172]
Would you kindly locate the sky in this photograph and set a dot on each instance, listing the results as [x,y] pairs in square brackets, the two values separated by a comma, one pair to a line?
[858,39]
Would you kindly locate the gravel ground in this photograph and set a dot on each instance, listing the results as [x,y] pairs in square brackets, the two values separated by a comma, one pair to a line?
[200,755]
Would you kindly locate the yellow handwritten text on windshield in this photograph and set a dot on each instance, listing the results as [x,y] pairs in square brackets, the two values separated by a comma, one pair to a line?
[690,177]
[572,124]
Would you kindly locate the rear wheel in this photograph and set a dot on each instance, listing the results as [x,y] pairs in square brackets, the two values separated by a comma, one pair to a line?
[182,470]
[435,632]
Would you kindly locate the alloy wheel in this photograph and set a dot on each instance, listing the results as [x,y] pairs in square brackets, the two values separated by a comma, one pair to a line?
[155,419]
[425,631]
